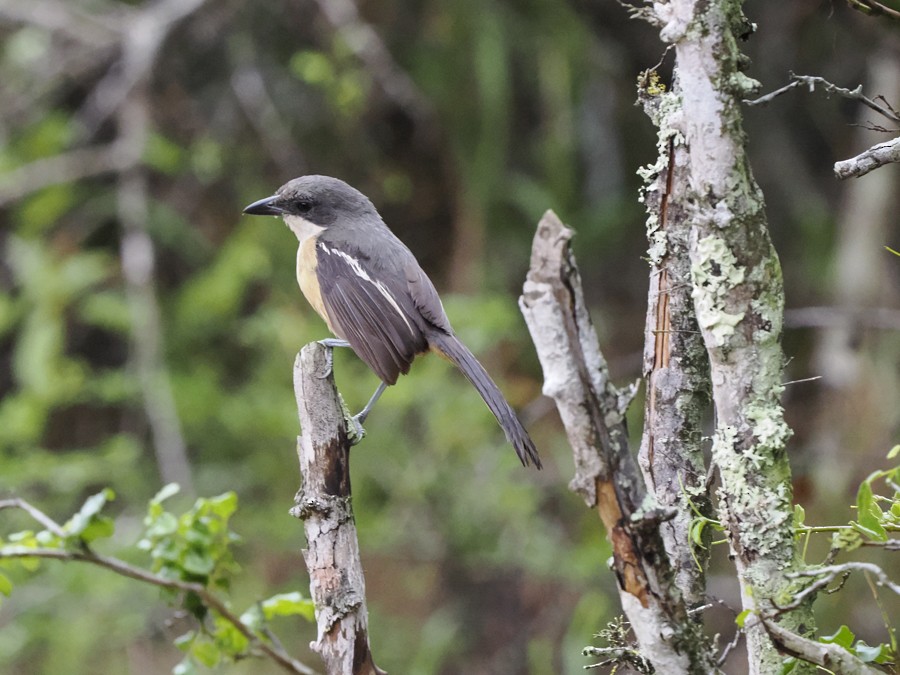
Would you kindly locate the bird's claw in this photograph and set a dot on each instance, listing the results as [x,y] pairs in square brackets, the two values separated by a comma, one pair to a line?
[356,432]
[330,344]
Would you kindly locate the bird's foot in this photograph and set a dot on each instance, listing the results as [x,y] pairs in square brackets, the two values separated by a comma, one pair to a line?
[355,429]
[330,344]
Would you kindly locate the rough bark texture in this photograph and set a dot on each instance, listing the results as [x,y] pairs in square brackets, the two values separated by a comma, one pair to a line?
[738,300]
[606,475]
[676,371]
[336,578]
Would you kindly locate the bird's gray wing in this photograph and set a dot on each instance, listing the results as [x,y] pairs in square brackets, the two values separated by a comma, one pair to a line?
[425,297]
[371,309]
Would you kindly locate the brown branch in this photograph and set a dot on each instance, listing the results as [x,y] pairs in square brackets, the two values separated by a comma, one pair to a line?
[336,581]
[873,8]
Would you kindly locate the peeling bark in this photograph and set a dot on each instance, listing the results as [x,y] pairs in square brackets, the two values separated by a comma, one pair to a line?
[606,475]
[336,580]
[676,370]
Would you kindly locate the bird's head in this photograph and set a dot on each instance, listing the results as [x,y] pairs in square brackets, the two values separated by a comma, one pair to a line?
[320,201]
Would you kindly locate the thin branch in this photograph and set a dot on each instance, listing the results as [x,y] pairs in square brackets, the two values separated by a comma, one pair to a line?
[810,81]
[142,41]
[873,8]
[828,317]
[36,513]
[370,49]
[66,167]
[830,572]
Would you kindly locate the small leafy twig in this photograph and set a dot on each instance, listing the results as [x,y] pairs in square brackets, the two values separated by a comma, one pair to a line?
[73,545]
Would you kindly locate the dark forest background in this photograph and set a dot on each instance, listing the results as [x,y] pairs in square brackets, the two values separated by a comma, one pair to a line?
[148,330]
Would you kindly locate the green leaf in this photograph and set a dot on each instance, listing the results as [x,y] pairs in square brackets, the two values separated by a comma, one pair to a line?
[879,654]
[697,531]
[289,604]
[88,515]
[228,638]
[183,642]
[894,452]
[741,618]
[196,562]
[869,515]
[788,665]
[165,492]
[799,515]
[843,638]
[5,585]
[206,652]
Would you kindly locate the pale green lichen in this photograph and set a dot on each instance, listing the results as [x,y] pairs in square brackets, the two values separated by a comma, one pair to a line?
[658,247]
[744,85]
[714,273]
[761,509]
[769,426]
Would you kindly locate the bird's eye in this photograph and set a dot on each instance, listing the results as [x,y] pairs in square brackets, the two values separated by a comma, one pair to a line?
[304,206]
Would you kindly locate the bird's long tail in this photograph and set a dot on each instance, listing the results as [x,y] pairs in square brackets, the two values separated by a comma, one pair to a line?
[450,347]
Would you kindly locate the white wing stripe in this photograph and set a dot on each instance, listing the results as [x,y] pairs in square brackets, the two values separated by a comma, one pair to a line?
[362,274]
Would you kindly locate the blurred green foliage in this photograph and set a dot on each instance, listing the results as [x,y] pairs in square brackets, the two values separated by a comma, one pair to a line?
[471,120]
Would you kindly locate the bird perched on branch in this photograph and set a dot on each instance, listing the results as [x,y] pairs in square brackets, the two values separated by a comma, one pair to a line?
[372,293]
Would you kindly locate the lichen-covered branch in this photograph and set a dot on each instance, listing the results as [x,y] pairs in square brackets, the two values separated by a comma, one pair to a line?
[606,475]
[873,158]
[336,581]
[832,657]
[676,369]
[738,299]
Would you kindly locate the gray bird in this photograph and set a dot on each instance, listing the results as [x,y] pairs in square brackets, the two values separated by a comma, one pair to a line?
[372,293]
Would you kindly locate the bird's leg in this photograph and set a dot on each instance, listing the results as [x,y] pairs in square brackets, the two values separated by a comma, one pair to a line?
[329,344]
[361,416]
[364,413]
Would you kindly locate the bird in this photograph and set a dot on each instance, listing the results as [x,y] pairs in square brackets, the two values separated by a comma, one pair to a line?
[372,293]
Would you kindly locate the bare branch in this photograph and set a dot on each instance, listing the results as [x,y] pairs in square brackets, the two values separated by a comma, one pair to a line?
[41,517]
[810,81]
[64,168]
[827,317]
[873,158]
[830,572]
[369,48]
[336,581]
[874,8]
[143,37]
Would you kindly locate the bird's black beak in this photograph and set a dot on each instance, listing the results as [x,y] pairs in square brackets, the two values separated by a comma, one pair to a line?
[270,206]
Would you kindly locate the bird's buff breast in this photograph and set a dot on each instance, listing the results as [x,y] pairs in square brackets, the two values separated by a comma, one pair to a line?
[306,263]
[307,279]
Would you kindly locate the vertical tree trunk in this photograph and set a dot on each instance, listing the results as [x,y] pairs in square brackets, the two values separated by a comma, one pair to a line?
[738,299]
[336,580]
